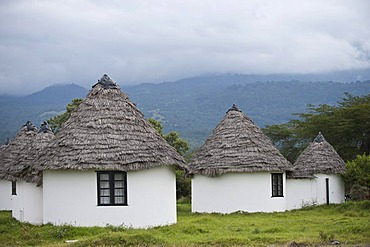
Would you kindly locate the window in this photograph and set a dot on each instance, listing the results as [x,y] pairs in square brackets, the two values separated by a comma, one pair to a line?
[14,188]
[277,184]
[112,188]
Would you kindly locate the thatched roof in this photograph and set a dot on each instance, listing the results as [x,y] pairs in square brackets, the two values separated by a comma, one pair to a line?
[27,160]
[11,153]
[318,157]
[107,132]
[237,145]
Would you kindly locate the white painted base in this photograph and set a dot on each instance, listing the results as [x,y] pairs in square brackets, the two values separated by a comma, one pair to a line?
[5,195]
[27,204]
[230,192]
[70,197]
[306,192]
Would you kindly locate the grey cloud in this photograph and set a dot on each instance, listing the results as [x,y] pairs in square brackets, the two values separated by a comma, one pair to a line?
[46,42]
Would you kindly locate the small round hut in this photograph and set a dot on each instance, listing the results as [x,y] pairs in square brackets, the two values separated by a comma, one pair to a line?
[10,155]
[315,178]
[28,204]
[108,165]
[238,168]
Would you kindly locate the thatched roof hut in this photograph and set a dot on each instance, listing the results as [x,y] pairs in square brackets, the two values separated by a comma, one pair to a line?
[237,145]
[11,154]
[107,132]
[37,146]
[318,157]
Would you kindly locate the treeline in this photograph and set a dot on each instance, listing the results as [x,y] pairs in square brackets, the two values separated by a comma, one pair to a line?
[346,126]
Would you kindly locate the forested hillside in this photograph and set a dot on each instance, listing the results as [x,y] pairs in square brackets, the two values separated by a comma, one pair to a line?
[194,109]
[192,106]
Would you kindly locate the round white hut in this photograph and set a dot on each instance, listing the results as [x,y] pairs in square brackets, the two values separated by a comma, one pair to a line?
[315,178]
[238,168]
[17,158]
[107,165]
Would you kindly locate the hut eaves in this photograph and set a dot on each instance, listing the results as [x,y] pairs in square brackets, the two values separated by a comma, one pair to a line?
[318,157]
[13,152]
[237,145]
[107,132]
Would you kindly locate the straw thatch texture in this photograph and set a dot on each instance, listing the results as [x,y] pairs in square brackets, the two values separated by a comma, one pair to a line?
[11,154]
[27,160]
[318,157]
[107,132]
[237,145]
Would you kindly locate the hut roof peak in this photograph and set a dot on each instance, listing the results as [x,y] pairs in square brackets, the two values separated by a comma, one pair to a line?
[107,82]
[45,128]
[29,126]
[318,159]
[234,108]
[319,138]
[237,145]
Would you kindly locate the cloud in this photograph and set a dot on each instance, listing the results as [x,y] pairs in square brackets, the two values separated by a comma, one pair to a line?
[47,42]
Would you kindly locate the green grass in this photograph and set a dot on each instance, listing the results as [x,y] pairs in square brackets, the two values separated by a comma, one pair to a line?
[349,223]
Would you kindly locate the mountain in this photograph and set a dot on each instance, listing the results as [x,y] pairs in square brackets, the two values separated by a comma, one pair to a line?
[37,107]
[194,106]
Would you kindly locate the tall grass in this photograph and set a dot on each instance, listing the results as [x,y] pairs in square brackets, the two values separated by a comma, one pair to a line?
[349,223]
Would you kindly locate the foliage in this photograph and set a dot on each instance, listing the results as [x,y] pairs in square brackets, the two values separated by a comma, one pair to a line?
[57,121]
[318,225]
[346,126]
[173,138]
[357,177]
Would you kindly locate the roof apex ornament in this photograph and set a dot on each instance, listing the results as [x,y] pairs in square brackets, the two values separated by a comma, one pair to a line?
[29,126]
[234,108]
[45,128]
[107,82]
[319,138]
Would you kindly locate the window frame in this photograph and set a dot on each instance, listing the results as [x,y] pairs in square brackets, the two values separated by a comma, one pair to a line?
[111,188]
[277,185]
[14,188]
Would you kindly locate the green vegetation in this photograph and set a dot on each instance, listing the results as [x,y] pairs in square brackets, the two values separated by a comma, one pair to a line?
[347,223]
[345,126]
[57,121]
[183,189]
[357,177]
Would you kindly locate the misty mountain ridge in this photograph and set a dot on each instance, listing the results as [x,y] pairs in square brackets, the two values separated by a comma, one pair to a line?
[191,106]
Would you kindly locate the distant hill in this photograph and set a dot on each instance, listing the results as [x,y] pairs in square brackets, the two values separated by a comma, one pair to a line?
[37,107]
[193,106]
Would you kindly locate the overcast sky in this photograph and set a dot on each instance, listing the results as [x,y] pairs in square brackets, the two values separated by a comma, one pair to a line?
[134,41]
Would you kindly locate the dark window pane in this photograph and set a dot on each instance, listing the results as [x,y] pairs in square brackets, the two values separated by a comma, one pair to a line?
[104,176]
[119,200]
[118,176]
[118,192]
[104,192]
[104,200]
[104,184]
[119,184]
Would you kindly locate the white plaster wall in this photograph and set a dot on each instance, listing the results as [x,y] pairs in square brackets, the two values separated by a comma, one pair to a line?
[27,204]
[70,197]
[5,194]
[300,192]
[232,192]
[336,188]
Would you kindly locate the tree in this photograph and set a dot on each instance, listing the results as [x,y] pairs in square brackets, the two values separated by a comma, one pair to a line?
[57,121]
[346,126]
[357,177]
[173,138]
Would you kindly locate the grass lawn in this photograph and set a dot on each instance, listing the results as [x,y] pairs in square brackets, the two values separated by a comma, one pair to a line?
[348,223]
